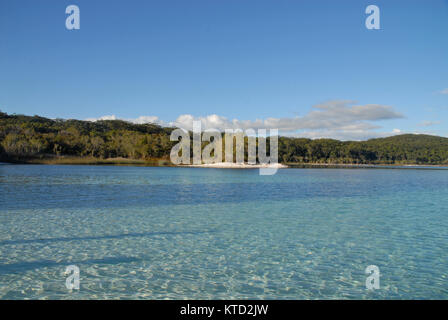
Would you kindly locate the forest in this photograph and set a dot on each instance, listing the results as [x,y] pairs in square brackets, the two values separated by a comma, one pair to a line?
[35,139]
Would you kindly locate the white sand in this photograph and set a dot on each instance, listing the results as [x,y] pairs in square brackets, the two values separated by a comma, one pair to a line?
[231,165]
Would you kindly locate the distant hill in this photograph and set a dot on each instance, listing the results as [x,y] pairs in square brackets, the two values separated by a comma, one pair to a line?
[400,149]
[37,139]
[418,148]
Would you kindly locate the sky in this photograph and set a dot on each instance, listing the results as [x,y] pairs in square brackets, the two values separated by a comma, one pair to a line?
[309,68]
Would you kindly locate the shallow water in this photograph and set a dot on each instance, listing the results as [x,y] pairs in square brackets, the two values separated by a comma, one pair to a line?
[175,233]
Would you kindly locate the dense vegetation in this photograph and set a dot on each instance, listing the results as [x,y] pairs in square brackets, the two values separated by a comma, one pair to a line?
[401,149]
[25,138]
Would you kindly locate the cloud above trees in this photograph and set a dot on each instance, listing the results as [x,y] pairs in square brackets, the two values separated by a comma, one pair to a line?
[344,119]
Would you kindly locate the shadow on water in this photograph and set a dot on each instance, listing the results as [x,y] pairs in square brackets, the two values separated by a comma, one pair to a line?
[104,237]
[31,265]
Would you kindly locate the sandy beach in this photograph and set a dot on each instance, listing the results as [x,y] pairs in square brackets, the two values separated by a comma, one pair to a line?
[231,165]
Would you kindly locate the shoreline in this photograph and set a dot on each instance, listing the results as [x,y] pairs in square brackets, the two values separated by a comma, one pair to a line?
[365,166]
[223,165]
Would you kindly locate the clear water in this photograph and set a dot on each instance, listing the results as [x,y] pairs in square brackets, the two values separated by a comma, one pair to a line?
[175,233]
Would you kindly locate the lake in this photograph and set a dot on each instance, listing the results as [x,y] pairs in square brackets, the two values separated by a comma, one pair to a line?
[178,233]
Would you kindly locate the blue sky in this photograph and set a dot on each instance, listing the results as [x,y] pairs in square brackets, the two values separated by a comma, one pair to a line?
[310,68]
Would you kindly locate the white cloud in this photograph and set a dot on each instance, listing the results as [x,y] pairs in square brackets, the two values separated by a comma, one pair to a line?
[428,123]
[344,135]
[111,117]
[146,119]
[334,119]
[444,91]
[139,120]
[331,119]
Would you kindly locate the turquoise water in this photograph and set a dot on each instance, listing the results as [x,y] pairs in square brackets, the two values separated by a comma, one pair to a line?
[176,233]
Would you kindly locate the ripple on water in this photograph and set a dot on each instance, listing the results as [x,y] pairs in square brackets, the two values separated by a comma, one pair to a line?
[168,233]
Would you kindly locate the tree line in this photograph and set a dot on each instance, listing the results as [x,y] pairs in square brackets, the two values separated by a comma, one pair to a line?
[33,137]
